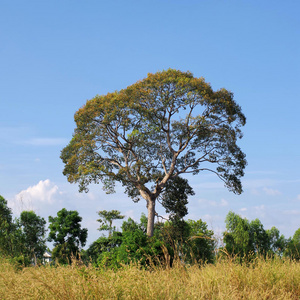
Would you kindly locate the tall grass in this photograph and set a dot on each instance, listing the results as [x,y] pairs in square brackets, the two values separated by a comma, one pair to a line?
[260,279]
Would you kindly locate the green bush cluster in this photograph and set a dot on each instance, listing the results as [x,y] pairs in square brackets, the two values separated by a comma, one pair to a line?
[245,239]
[190,241]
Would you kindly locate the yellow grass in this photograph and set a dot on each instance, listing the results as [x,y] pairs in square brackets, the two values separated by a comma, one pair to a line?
[261,279]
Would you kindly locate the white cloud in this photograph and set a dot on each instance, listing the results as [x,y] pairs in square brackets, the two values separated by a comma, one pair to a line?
[271,192]
[30,199]
[298,197]
[243,209]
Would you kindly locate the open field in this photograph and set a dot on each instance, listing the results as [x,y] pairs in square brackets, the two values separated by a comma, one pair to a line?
[224,280]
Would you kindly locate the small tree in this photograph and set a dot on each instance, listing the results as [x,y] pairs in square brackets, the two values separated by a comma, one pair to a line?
[155,130]
[277,242]
[293,246]
[67,234]
[6,227]
[259,238]
[12,242]
[106,219]
[201,242]
[237,236]
[33,228]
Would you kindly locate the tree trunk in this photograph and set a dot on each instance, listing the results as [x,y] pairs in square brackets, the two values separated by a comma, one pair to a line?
[151,216]
[150,198]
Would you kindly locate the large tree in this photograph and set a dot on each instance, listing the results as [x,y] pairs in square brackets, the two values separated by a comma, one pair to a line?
[165,125]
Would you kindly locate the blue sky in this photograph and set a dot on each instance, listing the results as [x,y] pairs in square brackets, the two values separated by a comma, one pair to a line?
[55,55]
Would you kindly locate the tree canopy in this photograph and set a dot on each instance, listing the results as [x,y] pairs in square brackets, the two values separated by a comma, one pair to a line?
[34,230]
[246,239]
[174,197]
[67,234]
[168,124]
[7,228]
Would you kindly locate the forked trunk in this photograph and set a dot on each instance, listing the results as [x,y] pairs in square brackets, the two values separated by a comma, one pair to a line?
[151,216]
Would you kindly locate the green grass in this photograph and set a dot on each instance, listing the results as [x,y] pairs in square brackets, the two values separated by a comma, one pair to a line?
[261,279]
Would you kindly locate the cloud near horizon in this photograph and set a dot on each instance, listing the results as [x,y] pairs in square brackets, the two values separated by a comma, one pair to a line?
[30,199]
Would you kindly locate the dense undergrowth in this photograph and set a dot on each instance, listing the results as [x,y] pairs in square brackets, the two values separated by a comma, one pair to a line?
[225,279]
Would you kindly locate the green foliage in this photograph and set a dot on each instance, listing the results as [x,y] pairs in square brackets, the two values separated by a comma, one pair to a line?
[190,240]
[174,198]
[102,245]
[248,239]
[67,234]
[278,243]
[6,227]
[259,238]
[296,236]
[22,240]
[106,219]
[293,246]
[237,236]
[165,125]
[12,240]
[130,245]
[5,213]
[33,229]
[201,243]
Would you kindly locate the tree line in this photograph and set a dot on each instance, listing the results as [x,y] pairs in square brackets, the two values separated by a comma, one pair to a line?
[23,239]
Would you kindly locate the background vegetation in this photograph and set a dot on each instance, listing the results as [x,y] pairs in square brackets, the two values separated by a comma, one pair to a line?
[23,240]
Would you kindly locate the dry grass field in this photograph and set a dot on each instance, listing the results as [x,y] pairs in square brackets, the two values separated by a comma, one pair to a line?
[261,279]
